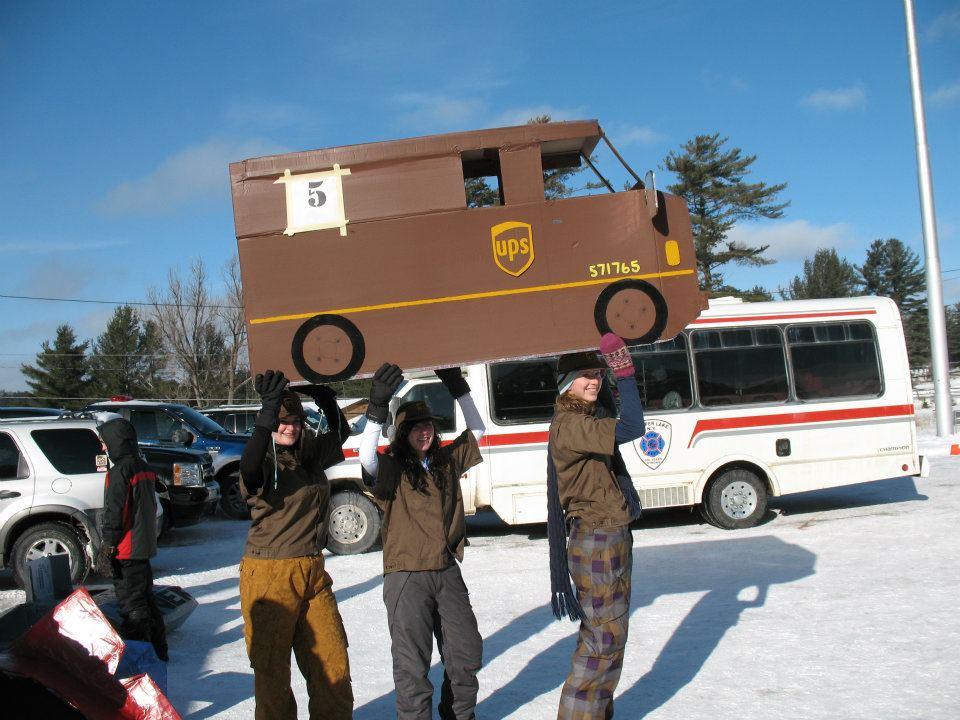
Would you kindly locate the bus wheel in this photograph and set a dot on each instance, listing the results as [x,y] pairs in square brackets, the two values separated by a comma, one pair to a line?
[328,348]
[354,523]
[736,499]
[633,309]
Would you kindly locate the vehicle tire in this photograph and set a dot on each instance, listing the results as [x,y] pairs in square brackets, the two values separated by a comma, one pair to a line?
[735,499]
[49,538]
[327,348]
[354,523]
[633,309]
[231,499]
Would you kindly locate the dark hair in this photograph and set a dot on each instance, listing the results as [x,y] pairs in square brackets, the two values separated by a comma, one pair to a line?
[410,463]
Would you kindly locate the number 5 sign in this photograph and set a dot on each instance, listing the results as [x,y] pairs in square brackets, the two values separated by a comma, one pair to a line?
[315,200]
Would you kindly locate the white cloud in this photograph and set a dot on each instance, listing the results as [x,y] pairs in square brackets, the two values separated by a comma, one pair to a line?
[192,175]
[432,113]
[635,135]
[39,247]
[945,95]
[794,239]
[945,25]
[54,277]
[521,115]
[850,98]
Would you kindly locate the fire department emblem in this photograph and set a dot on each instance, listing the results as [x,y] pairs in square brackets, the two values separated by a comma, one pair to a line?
[512,247]
[654,444]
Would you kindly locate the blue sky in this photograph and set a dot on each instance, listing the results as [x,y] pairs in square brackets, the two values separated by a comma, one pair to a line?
[119,118]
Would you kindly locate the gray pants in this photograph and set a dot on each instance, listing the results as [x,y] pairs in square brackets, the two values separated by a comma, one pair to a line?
[420,606]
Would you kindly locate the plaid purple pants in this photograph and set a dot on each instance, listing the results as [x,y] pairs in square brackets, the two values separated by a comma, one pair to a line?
[601,561]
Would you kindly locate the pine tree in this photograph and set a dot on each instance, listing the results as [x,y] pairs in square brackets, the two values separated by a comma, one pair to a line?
[125,359]
[60,375]
[711,180]
[953,332]
[827,275]
[893,270]
[757,293]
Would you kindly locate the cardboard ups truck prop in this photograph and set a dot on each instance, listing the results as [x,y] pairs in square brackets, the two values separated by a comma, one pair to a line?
[353,256]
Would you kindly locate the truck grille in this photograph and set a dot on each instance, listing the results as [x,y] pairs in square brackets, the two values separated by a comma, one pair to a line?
[665,496]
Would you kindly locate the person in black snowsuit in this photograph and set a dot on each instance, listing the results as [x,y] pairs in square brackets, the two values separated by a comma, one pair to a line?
[129,532]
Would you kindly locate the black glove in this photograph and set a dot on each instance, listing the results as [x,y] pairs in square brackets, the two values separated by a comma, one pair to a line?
[103,563]
[322,395]
[386,380]
[270,387]
[454,381]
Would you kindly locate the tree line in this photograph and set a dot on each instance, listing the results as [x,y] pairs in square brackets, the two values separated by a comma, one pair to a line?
[191,346]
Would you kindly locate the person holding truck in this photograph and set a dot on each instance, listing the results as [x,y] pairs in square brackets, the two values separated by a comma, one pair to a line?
[591,497]
[416,484]
[286,594]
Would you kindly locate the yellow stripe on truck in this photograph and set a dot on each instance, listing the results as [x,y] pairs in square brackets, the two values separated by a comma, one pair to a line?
[468,296]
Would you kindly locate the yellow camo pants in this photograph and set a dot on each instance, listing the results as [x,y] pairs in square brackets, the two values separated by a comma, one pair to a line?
[289,605]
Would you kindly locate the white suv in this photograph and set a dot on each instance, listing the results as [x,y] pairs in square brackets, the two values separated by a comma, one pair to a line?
[51,492]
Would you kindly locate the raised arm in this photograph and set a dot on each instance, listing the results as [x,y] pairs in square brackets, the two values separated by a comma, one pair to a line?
[456,384]
[630,425]
[269,386]
[386,380]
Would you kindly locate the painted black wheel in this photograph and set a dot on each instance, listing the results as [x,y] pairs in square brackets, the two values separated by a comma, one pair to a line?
[633,309]
[328,348]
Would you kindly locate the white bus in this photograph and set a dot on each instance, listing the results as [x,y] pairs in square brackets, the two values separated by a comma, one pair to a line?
[751,400]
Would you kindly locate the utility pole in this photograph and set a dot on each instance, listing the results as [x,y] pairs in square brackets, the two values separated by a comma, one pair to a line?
[940,368]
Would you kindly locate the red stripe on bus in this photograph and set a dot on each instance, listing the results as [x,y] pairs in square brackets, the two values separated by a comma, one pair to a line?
[799,418]
[526,438]
[514,439]
[782,316]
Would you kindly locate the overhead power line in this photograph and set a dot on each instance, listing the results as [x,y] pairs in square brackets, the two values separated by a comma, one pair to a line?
[139,303]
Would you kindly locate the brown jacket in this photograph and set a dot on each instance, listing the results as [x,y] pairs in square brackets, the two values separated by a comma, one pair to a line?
[582,449]
[425,529]
[289,517]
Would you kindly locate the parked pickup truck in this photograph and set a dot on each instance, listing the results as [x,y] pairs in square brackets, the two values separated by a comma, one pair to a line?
[185,483]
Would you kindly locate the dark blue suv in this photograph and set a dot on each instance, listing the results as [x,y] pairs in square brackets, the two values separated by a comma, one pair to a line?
[172,424]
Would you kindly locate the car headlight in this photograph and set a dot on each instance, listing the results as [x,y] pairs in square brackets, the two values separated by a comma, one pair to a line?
[187,475]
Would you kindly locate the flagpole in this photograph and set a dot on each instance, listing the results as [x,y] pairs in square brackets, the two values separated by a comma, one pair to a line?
[940,368]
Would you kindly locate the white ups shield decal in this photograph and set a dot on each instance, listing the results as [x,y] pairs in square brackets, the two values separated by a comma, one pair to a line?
[655,443]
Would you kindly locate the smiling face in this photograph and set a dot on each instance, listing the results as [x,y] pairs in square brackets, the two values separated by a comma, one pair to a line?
[288,433]
[420,437]
[587,385]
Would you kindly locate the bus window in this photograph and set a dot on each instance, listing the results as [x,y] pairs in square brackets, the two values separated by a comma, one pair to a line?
[522,392]
[832,361]
[663,374]
[740,366]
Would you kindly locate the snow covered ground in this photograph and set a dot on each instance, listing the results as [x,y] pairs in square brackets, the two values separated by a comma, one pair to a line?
[842,604]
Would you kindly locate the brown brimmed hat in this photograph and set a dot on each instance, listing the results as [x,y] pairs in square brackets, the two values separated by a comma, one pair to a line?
[571,364]
[290,407]
[413,412]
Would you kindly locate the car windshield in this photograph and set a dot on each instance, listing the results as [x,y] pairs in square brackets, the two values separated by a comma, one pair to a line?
[200,422]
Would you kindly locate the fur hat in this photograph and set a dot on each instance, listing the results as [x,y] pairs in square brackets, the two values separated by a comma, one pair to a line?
[570,365]
[290,407]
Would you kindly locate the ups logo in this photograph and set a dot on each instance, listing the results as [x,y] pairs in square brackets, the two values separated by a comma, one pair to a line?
[512,247]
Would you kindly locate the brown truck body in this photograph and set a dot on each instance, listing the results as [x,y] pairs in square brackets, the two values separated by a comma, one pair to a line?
[407,273]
